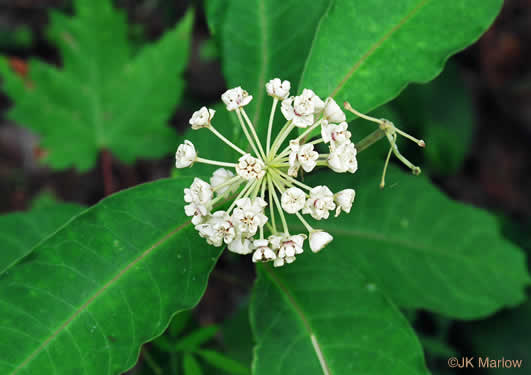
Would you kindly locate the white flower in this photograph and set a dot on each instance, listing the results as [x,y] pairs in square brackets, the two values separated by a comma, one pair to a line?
[301,109]
[199,212]
[319,239]
[221,176]
[250,168]
[201,119]
[344,200]
[185,155]
[293,200]
[301,115]
[278,89]
[236,98]
[321,201]
[263,253]
[335,134]
[343,158]
[217,229]
[249,216]
[199,196]
[200,192]
[318,104]
[307,157]
[241,246]
[287,246]
[332,111]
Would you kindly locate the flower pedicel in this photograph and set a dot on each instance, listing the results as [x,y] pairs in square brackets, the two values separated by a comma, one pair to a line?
[264,181]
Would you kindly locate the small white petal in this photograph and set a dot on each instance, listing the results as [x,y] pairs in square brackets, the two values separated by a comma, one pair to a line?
[321,201]
[278,89]
[307,157]
[332,111]
[185,155]
[241,246]
[221,176]
[344,200]
[201,119]
[236,98]
[343,158]
[250,168]
[319,239]
[293,200]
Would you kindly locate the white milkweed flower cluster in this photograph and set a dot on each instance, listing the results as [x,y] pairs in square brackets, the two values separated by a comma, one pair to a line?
[264,180]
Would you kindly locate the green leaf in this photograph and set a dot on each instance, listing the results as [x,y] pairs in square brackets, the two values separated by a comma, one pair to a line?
[109,281]
[262,40]
[320,306]
[190,365]
[20,232]
[423,249]
[441,114]
[507,335]
[366,52]
[197,338]
[223,362]
[102,97]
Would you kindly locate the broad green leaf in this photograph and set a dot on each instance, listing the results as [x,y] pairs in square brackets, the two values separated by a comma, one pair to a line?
[441,114]
[262,40]
[104,284]
[21,231]
[507,335]
[103,97]
[423,249]
[190,365]
[197,338]
[320,316]
[223,362]
[367,51]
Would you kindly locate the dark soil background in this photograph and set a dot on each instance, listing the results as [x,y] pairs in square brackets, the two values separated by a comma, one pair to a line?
[496,174]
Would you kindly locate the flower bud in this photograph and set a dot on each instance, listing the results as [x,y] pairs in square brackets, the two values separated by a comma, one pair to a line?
[185,155]
[278,89]
[319,239]
[344,200]
[201,119]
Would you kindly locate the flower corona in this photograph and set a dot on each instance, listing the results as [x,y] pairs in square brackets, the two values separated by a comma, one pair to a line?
[263,186]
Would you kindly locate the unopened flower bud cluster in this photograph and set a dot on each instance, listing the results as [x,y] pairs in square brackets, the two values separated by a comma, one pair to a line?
[263,186]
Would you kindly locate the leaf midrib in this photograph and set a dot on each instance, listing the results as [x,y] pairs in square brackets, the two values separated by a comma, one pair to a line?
[376,46]
[97,294]
[301,314]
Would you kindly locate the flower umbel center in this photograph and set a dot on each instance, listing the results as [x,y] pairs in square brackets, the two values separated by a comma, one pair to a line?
[264,182]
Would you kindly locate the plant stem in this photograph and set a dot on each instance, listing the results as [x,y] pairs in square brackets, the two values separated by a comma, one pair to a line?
[247,135]
[369,140]
[229,143]
[215,162]
[270,125]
